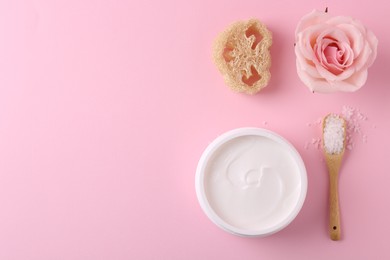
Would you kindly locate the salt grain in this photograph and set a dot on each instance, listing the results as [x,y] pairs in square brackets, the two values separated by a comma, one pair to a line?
[354,132]
[334,134]
[354,117]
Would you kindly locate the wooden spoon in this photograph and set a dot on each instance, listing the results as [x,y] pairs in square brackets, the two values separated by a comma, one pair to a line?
[333,159]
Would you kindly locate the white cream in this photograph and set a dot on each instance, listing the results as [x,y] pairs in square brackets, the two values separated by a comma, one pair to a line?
[253,182]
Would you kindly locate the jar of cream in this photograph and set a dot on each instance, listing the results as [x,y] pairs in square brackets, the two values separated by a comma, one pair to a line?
[251,182]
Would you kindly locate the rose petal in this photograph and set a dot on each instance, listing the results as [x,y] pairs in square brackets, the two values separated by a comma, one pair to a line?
[336,57]
[334,33]
[312,83]
[311,19]
[309,67]
[364,60]
[324,86]
[330,77]
[332,60]
[355,37]
[341,20]
[373,42]
[337,20]
[344,86]
[304,48]
[337,38]
[348,55]
[307,38]
[321,86]
[358,79]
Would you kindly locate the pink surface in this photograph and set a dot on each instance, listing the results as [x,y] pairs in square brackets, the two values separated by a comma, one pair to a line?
[106,107]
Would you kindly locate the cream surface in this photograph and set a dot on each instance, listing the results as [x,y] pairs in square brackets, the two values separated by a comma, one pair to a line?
[252,182]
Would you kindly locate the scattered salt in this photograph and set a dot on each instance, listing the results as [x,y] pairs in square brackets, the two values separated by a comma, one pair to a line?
[354,117]
[334,134]
[354,131]
[314,142]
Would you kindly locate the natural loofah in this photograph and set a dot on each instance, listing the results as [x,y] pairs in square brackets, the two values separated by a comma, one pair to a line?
[242,55]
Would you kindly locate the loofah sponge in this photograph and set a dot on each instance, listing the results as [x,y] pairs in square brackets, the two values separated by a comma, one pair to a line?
[242,55]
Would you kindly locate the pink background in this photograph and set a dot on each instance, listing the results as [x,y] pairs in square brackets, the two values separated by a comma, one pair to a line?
[106,107]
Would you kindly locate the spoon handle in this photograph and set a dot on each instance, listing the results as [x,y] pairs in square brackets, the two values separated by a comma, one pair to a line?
[334,213]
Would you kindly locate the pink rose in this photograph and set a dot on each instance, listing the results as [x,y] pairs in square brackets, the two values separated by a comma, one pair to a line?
[333,52]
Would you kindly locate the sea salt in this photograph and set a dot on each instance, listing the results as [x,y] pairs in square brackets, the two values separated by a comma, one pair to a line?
[354,118]
[334,134]
[355,122]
